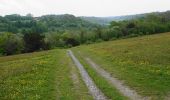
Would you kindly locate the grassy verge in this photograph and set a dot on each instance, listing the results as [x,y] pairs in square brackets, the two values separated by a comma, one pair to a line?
[142,62]
[39,76]
[103,85]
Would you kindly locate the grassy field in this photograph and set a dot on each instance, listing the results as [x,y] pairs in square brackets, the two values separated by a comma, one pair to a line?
[142,62]
[111,92]
[47,75]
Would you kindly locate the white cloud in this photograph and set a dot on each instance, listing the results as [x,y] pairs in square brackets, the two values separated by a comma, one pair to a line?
[82,7]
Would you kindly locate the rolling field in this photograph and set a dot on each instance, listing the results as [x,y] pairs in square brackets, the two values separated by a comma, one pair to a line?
[47,75]
[143,63]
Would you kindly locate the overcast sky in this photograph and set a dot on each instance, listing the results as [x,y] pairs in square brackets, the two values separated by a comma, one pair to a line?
[82,7]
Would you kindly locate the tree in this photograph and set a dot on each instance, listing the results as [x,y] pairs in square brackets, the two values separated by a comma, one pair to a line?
[33,41]
[39,28]
[53,40]
[69,39]
[82,36]
[98,32]
[29,15]
[10,44]
[12,28]
[71,42]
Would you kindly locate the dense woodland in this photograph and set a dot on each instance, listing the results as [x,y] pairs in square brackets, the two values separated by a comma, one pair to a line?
[21,34]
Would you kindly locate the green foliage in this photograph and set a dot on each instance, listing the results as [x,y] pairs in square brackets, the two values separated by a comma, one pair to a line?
[150,24]
[64,22]
[53,40]
[10,43]
[69,39]
[33,41]
[52,31]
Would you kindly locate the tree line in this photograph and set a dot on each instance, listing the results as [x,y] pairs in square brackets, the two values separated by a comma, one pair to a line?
[21,34]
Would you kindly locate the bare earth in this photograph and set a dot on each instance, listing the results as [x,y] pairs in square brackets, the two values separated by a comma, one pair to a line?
[95,92]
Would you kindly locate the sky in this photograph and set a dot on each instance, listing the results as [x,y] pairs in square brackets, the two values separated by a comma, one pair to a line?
[98,8]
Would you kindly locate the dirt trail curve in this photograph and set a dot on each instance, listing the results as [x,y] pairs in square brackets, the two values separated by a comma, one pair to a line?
[95,92]
[125,90]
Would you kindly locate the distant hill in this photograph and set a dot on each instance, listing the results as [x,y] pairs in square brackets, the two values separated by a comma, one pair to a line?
[107,20]
[65,21]
[16,23]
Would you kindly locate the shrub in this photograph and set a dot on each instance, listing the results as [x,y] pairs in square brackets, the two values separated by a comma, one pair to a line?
[33,41]
[10,44]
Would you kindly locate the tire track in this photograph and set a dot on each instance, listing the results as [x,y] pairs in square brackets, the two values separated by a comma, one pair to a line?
[95,92]
[125,90]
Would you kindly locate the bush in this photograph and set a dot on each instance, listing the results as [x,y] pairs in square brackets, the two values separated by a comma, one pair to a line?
[71,42]
[88,42]
[10,44]
[33,41]
[99,40]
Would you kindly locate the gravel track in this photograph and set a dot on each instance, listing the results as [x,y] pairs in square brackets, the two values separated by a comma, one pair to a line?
[94,91]
[125,90]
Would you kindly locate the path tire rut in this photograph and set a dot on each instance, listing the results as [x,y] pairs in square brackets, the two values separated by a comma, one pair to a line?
[125,90]
[93,89]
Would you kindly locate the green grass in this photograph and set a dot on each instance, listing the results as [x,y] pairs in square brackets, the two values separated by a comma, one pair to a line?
[40,76]
[106,87]
[142,62]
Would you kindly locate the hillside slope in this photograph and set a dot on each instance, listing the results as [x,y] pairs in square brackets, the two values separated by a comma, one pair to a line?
[143,63]
[47,75]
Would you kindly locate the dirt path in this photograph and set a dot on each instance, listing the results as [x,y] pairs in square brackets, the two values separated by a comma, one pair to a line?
[125,90]
[79,87]
[95,92]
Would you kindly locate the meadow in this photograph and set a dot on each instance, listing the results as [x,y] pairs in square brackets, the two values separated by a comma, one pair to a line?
[46,75]
[143,63]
